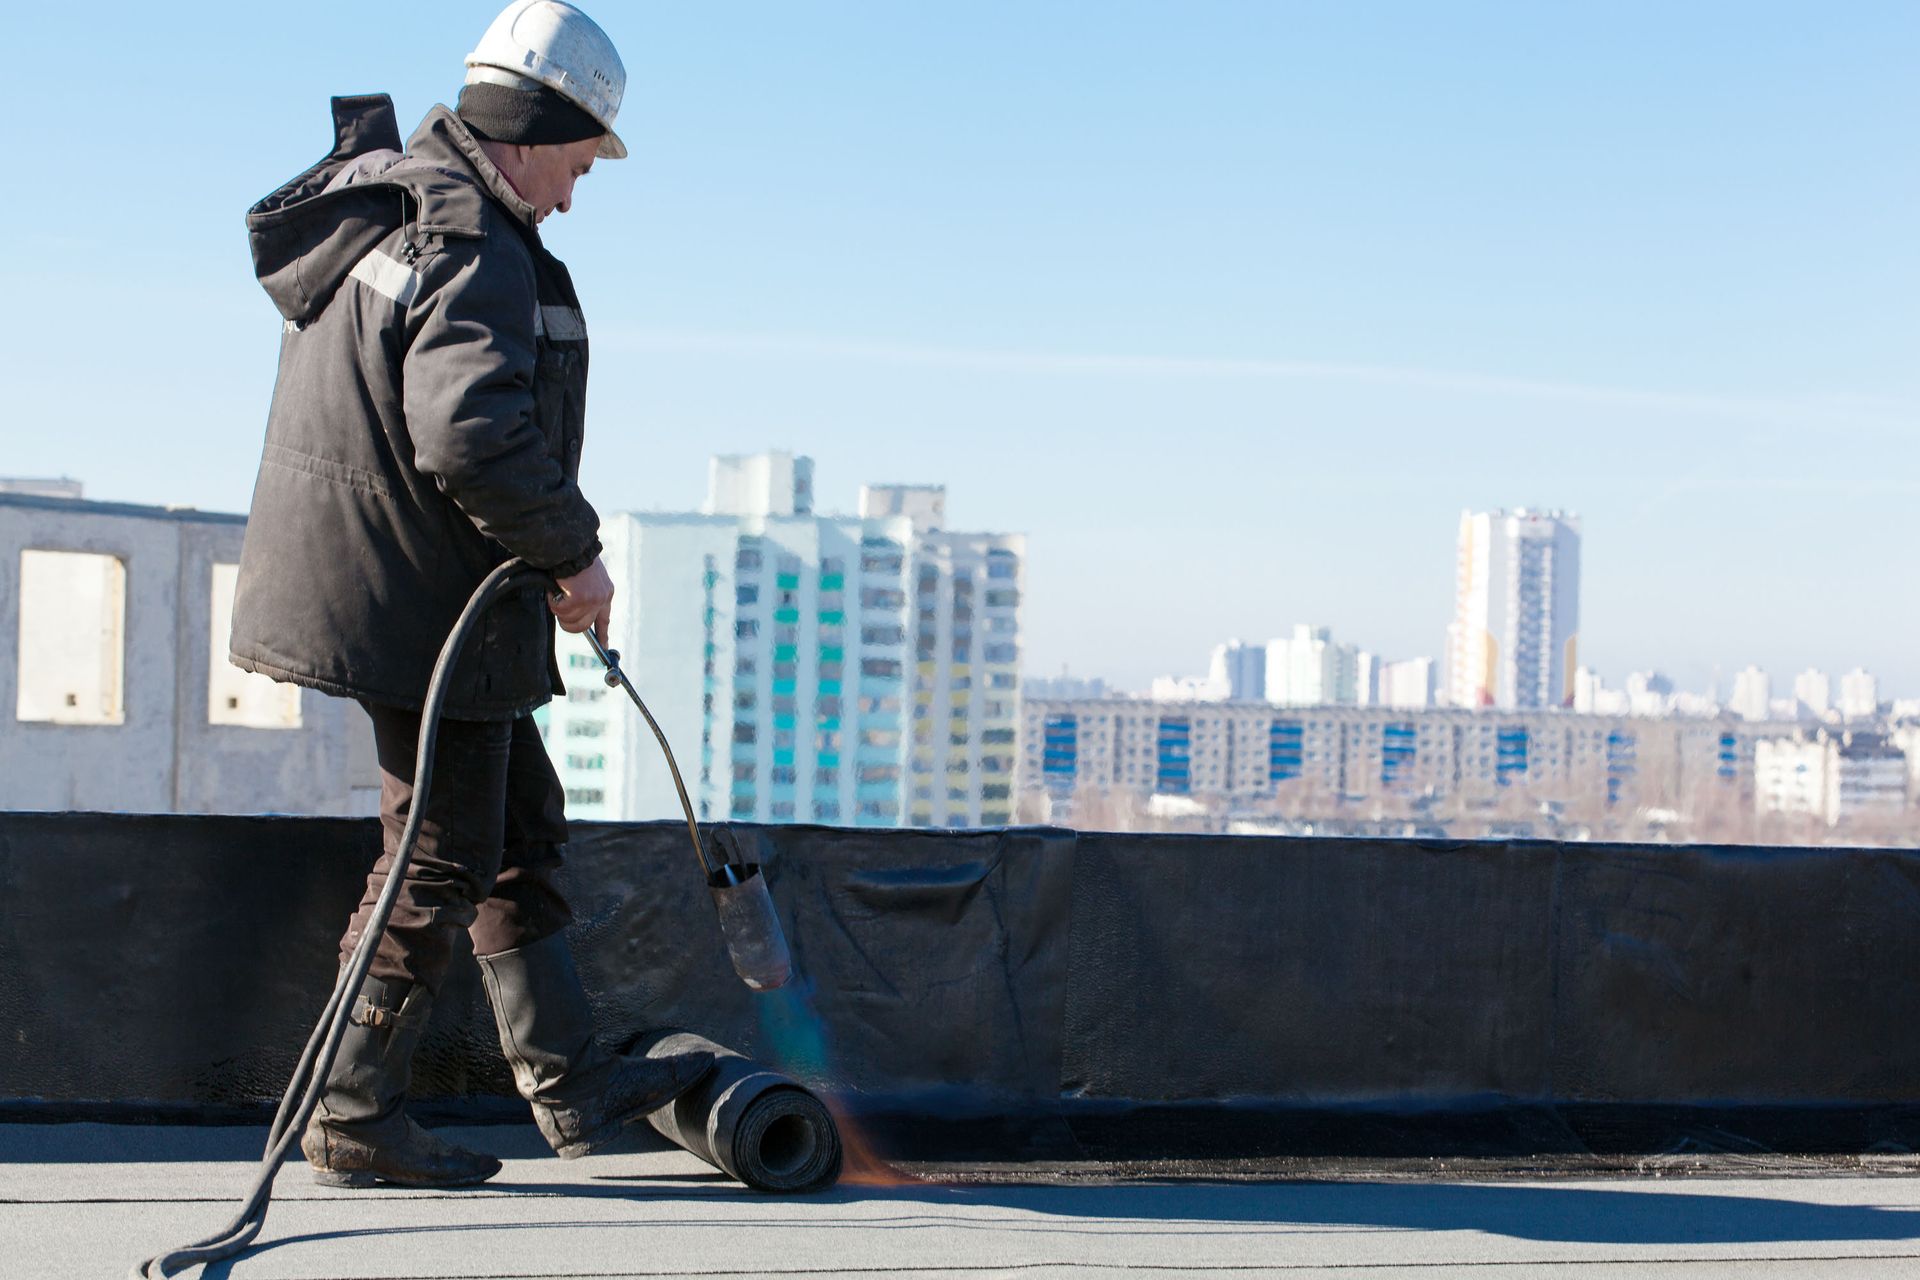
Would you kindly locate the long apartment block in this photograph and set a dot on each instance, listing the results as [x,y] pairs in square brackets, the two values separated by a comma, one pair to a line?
[1332,755]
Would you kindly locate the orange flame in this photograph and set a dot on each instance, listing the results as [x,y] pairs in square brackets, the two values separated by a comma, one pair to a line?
[799,1041]
[860,1164]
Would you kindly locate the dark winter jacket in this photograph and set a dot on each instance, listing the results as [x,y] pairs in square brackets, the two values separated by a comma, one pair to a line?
[426,423]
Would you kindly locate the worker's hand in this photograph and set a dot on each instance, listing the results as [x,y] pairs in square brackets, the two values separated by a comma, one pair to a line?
[585,600]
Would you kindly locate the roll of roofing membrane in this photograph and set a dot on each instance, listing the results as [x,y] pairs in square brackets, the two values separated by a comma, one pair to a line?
[753,1124]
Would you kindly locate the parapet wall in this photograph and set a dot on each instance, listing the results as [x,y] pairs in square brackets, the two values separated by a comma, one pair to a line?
[1043,992]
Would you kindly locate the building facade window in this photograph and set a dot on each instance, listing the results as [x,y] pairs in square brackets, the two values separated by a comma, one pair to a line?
[73,613]
[244,699]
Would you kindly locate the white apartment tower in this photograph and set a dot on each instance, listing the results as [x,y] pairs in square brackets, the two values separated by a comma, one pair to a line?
[1752,694]
[1859,695]
[1307,669]
[777,647]
[1814,692]
[1239,669]
[964,624]
[1516,615]
[759,484]
[1406,684]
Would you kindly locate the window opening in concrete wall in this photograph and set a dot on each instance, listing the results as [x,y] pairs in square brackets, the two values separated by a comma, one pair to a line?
[73,614]
[238,697]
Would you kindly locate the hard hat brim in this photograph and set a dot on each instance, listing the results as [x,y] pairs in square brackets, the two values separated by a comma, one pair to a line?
[611,148]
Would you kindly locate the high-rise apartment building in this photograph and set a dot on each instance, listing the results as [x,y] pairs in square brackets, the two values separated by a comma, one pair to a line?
[1516,616]
[1307,669]
[1859,695]
[963,622]
[1366,678]
[1752,694]
[796,661]
[775,483]
[1406,684]
[1814,692]
[1240,670]
[1592,697]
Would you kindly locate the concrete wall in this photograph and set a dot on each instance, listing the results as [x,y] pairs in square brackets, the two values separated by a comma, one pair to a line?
[164,755]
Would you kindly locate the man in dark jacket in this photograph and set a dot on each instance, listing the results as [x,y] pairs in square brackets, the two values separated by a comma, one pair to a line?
[426,426]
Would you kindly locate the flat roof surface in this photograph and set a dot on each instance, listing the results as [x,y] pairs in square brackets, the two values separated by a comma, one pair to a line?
[88,1199]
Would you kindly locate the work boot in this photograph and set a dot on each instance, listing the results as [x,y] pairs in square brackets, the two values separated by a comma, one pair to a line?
[360,1133]
[582,1095]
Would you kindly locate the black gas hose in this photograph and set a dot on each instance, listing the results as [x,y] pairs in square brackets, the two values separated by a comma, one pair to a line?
[748,924]
[310,1075]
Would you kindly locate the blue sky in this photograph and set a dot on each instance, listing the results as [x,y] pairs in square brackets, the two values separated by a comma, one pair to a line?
[1232,307]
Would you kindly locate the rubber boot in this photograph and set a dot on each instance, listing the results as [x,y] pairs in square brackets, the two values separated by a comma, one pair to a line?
[360,1133]
[582,1095]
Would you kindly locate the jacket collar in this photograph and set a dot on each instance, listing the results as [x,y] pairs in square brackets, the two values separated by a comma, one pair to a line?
[443,140]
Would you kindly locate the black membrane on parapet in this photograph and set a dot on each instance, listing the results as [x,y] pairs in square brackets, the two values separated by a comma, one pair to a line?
[1034,994]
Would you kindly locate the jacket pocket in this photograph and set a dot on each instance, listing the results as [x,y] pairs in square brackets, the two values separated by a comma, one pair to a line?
[340,473]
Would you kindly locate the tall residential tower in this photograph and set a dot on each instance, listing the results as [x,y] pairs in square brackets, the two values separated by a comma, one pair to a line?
[784,652]
[1516,610]
[964,623]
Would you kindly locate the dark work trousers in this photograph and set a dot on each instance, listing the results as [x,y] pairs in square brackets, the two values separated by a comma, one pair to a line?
[488,847]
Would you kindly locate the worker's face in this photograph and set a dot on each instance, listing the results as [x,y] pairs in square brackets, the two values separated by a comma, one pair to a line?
[547,174]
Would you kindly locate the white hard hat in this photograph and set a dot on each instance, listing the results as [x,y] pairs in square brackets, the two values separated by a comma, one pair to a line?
[552,43]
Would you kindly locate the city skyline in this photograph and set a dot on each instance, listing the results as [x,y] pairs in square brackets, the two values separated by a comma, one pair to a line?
[1864,690]
[796,668]
[1229,307]
[1714,681]
[1726,695]
[1510,643]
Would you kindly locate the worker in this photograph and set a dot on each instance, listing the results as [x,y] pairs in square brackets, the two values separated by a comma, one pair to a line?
[426,427]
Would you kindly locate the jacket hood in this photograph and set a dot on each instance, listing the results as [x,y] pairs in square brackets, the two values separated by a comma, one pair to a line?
[309,234]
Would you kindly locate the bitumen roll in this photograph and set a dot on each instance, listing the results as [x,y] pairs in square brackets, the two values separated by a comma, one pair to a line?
[753,1124]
